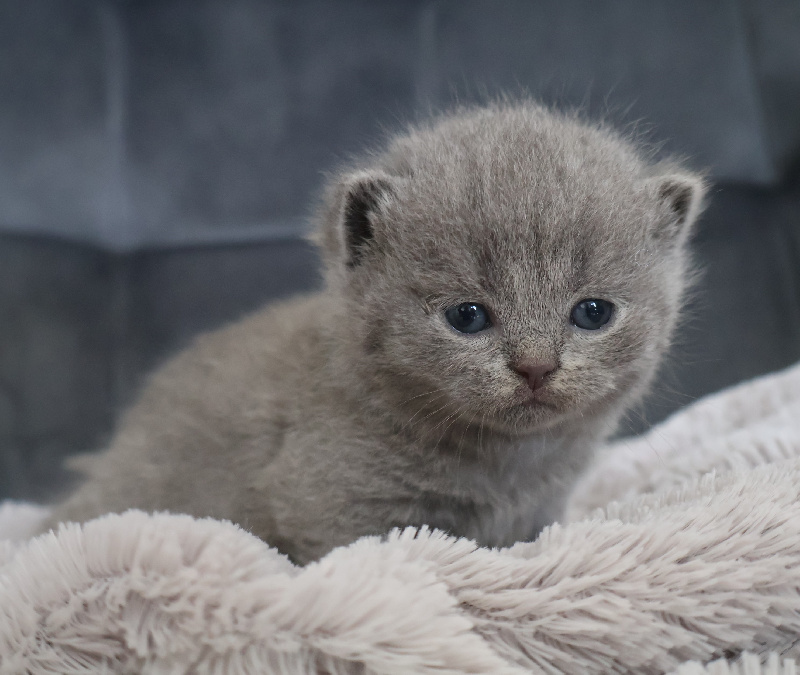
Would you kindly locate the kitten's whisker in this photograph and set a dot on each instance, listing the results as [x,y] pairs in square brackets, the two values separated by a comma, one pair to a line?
[461,448]
[480,432]
[434,412]
[441,422]
[426,393]
[675,392]
[409,424]
[455,417]
[640,437]
[464,433]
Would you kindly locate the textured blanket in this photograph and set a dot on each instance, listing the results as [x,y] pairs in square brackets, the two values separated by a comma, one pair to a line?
[682,555]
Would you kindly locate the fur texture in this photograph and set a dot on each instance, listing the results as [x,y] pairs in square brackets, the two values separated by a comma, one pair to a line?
[359,409]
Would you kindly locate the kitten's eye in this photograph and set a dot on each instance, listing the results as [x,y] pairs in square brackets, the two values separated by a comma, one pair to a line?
[468,317]
[592,314]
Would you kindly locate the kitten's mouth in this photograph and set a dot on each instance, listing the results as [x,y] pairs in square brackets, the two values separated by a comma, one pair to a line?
[531,411]
[539,403]
[540,398]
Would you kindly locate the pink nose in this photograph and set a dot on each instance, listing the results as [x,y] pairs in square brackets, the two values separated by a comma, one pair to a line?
[534,372]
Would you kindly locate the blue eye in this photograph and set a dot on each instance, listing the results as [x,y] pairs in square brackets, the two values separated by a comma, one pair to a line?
[592,314]
[468,317]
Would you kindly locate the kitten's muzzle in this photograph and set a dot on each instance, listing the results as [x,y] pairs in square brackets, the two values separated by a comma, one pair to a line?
[535,373]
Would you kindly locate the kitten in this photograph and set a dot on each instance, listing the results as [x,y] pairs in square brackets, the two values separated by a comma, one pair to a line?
[500,287]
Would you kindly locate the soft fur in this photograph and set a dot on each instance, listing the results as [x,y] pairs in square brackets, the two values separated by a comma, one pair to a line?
[359,409]
[701,568]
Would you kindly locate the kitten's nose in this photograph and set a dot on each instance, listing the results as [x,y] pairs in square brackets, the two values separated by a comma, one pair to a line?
[534,372]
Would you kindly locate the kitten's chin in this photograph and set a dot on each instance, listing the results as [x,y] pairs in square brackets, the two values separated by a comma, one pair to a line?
[544,410]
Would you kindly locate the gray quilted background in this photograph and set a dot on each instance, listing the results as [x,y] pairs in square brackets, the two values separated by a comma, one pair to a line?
[157,160]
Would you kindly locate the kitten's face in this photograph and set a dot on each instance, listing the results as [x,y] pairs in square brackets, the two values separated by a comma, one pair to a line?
[471,266]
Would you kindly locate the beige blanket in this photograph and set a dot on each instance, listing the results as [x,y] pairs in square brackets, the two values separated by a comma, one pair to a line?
[695,569]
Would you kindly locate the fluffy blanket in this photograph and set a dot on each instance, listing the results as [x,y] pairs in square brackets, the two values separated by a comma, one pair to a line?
[695,568]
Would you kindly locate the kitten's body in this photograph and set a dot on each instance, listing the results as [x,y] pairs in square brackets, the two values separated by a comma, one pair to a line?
[359,408]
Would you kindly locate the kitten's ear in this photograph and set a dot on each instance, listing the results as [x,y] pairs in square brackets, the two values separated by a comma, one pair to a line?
[361,197]
[680,196]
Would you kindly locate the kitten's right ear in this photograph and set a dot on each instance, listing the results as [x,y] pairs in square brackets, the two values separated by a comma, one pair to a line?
[361,197]
[680,196]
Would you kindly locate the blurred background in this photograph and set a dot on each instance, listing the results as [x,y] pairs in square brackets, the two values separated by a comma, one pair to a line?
[158,160]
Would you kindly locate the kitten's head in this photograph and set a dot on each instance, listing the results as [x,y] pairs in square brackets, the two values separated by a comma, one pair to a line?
[509,267]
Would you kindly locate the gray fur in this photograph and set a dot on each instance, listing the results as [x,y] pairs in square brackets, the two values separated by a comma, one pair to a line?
[357,409]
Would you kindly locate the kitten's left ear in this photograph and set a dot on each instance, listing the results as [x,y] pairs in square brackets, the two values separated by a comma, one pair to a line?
[680,196]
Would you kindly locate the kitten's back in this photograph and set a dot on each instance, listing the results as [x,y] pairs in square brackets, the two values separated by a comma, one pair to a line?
[210,415]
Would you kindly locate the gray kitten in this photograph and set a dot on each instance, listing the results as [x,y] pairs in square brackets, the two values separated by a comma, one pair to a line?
[500,287]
